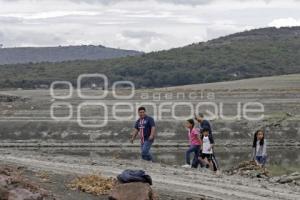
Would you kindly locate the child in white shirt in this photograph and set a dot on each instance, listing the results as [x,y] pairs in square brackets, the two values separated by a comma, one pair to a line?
[207,148]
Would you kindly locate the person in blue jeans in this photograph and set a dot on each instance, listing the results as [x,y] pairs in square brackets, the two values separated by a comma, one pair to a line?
[145,128]
[195,162]
[195,143]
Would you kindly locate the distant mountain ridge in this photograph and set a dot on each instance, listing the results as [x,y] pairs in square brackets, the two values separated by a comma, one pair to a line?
[21,55]
[249,54]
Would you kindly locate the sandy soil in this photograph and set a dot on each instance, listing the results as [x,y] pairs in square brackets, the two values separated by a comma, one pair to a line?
[171,182]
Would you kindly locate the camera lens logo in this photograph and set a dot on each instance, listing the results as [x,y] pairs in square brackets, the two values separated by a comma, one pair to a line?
[91,112]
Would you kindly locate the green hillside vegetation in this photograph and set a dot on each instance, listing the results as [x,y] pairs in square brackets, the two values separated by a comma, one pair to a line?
[255,53]
[21,55]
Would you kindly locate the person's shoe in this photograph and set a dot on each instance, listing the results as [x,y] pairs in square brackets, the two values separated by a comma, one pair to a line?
[186,166]
[218,174]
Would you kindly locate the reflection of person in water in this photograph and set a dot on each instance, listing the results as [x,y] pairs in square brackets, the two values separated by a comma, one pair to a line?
[145,127]
[205,125]
[260,148]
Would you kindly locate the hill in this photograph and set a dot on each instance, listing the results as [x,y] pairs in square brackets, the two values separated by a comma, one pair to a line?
[284,82]
[254,53]
[60,54]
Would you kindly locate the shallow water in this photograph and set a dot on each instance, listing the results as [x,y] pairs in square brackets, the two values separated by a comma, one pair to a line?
[280,160]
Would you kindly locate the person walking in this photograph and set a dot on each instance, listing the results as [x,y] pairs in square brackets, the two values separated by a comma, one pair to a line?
[145,128]
[205,125]
[194,142]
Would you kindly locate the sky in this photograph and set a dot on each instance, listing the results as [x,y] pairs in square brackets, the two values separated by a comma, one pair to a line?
[144,25]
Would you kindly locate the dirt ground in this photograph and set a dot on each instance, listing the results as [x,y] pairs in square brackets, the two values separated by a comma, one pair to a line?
[171,182]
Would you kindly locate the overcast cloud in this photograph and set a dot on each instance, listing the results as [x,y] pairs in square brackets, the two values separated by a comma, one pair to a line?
[146,25]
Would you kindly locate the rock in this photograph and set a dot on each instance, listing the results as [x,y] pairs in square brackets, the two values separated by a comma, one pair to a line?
[263,176]
[4,180]
[3,193]
[94,163]
[289,114]
[274,179]
[15,187]
[133,191]
[295,174]
[249,169]
[23,194]
[294,178]
[285,180]
[263,186]
[291,178]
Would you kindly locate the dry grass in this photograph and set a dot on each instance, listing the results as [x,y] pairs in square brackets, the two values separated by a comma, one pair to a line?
[44,176]
[93,184]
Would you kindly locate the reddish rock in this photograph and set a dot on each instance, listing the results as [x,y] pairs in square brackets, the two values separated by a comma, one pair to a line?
[23,194]
[4,180]
[14,187]
[133,191]
[3,193]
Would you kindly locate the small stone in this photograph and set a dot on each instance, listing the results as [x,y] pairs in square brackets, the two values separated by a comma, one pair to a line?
[274,179]
[285,180]
[295,174]
[93,163]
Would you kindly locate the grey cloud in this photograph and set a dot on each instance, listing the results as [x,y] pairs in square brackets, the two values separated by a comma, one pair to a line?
[182,2]
[135,24]
[1,35]
[109,2]
[144,38]
[141,34]
[9,20]
[179,2]
[28,38]
[190,2]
